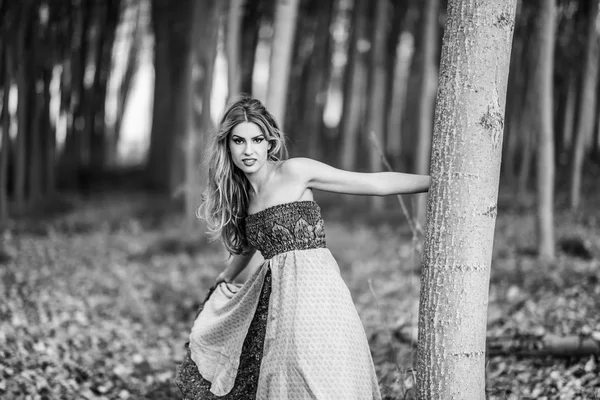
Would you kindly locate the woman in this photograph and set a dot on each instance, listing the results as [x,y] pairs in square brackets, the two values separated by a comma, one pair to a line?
[291,331]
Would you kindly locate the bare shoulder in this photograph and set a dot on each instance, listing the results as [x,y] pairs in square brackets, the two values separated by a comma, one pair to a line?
[295,166]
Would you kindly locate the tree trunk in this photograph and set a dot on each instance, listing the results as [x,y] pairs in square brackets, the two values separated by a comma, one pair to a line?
[462,206]
[7,68]
[72,157]
[564,135]
[165,166]
[23,83]
[234,26]
[96,126]
[136,35]
[377,93]
[92,145]
[404,57]
[316,86]
[428,87]
[587,106]
[161,139]
[355,90]
[34,135]
[203,54]
[49,142]
[542,115]
[596,140]
[514,114]
[281,56]
[250,27]
[298,76]
[526,137]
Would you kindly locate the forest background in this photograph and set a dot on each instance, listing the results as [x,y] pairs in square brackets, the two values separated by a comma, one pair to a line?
[106,107]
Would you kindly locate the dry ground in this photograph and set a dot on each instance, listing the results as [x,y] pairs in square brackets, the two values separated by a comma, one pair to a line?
[97,303]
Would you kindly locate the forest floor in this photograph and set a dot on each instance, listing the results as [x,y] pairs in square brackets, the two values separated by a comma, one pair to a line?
[97,303]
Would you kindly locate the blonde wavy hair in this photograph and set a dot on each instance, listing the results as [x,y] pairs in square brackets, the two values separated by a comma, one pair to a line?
[225,202]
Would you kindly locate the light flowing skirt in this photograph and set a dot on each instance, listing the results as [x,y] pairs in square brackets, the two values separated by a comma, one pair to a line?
[315,346]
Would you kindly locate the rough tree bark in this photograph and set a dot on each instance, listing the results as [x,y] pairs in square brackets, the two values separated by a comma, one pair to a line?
[462,206]
[587,105]
[377,93]
[284,31]
[542,124]
[427,89]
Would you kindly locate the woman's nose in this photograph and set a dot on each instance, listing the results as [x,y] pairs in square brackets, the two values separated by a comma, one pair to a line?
[248,149]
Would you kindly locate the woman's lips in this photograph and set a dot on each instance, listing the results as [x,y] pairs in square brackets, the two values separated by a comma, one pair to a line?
[249,161]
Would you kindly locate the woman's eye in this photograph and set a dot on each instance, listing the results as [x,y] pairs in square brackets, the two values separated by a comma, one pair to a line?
[237,141]
[258,140]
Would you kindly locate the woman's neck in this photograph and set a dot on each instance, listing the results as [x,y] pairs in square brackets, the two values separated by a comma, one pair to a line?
[260,178]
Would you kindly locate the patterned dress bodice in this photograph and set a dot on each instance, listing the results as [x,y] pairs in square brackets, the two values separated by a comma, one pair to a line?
[286,227]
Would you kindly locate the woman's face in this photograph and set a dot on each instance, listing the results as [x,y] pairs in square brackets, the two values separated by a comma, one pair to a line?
[249,147]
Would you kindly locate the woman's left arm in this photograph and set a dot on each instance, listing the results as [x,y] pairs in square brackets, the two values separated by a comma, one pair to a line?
[320,176]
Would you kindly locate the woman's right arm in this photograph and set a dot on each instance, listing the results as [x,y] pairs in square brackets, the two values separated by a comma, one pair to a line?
[236,265]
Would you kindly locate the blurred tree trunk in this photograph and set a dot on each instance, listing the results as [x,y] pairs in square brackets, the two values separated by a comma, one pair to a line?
[515,105]
[587,105]
[319,72]
[49,138]
[517,156]
[91,147]
[5,116]
[165,169]
[23,60]
[377,93]
[298,75]
[355,86]
[404,57]
[596,139]
[66,87]
[526,159]
[428,87]
[513,115]
[401,51]
[204,35]
[286,12]
[162,135]
[136,35]
[35,111]
[250,28]
[462,206]
[234,26]
[541,111]
[568,119]
[526,139]
[95,126]
[72,157]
